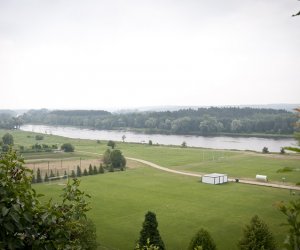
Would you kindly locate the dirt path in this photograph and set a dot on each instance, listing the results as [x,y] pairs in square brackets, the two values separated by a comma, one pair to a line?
[257,183]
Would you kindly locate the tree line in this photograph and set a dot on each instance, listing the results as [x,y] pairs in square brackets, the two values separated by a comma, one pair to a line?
[201,121]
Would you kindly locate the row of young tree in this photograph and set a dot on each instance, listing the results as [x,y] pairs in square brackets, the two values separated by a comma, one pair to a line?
[256,235]
[202,121]
[56,175]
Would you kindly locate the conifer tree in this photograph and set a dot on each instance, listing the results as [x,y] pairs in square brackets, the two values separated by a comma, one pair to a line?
[91,172]
[38,176]
[95,170]
[65,175]
[150,233]
[78,171]
[46,179]
[51,174]
[85,172]
[101,169]
[257,236]
[73,174]
[202,240]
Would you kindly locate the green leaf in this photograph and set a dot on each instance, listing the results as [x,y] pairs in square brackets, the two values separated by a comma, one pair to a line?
[9,226]
[5,210]
[28,217]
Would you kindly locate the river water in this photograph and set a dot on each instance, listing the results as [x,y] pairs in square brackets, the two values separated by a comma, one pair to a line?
[216,142]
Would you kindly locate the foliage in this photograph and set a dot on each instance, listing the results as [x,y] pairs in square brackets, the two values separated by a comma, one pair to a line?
[203,121]
[106,157]
[292,212]
[284,170]
[38,176]
[183,144]
[257,236]
[91,172]
[293,149]
[150,142]
[101,169]
[117,159]
[265,150]
[39,137]
[8,139]
[282,151]
[68,147]
[111,144]
[149,233]
[28,224]
[148,246]
[78,171]
[202,239]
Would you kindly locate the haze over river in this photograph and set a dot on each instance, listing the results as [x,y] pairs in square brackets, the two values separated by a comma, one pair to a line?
[216,142]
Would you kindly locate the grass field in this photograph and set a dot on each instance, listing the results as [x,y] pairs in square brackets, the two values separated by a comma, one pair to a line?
[182,204]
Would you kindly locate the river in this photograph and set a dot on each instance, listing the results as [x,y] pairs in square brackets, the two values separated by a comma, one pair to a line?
[216,142]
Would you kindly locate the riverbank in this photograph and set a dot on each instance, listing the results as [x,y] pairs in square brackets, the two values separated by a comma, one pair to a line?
[214,142]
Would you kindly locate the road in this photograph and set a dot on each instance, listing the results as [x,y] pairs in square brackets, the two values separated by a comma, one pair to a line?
[257,183]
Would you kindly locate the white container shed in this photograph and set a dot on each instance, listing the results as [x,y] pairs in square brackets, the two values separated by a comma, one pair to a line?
[215,178]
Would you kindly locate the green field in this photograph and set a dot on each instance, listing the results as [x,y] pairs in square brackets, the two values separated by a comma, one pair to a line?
[182,204]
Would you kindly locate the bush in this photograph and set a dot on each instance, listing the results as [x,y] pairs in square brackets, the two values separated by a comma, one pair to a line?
[27,223]
[39,137]
[265,150]
[285,169]
[8,139]
[67,147]
[257,236]
[202,239]
[149,233]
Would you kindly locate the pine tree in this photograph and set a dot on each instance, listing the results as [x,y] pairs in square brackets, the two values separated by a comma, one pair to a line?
[73,174]
[78,171]
[101,169]
[38,176]
[202,240]
[257,236]
[95,170]
[51,174]
[33,180]
[85,172]
[91,170]
[46,179]
[150,232]
[65,175]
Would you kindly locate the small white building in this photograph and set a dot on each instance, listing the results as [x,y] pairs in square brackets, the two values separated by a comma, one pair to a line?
[215,178]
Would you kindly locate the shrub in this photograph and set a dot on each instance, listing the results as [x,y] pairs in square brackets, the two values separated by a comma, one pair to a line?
[149,233]
[202,239]
[257,236]
[8,139]
[265,150]
[67,147]
[39,137]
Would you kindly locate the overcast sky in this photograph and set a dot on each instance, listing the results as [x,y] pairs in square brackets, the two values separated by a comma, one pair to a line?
[124,54]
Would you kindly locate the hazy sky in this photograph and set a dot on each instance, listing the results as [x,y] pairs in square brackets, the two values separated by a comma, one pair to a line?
[121,54]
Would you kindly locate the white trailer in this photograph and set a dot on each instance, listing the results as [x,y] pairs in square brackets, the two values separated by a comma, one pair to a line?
[263,178]
[215,178]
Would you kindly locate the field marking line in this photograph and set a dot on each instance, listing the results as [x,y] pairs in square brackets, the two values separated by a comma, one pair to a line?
[151,164]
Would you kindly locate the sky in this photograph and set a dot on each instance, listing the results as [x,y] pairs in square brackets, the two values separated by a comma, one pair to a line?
[118,54]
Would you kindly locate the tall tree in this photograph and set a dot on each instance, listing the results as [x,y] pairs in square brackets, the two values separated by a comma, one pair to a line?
[117,159]
[26,223]
[8,139]
[202,239]
[292,212]
[38,176]
[150,233]
[257,236]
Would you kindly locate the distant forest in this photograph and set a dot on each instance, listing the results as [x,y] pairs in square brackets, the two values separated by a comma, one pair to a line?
[201,121]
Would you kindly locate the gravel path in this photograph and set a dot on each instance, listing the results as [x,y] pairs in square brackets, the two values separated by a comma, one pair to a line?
[257,183]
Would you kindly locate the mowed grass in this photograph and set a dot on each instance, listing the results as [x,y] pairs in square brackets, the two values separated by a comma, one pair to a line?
[239,164]
[182,205]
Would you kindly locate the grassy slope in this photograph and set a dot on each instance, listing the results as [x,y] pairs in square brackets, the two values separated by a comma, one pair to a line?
[182,204]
